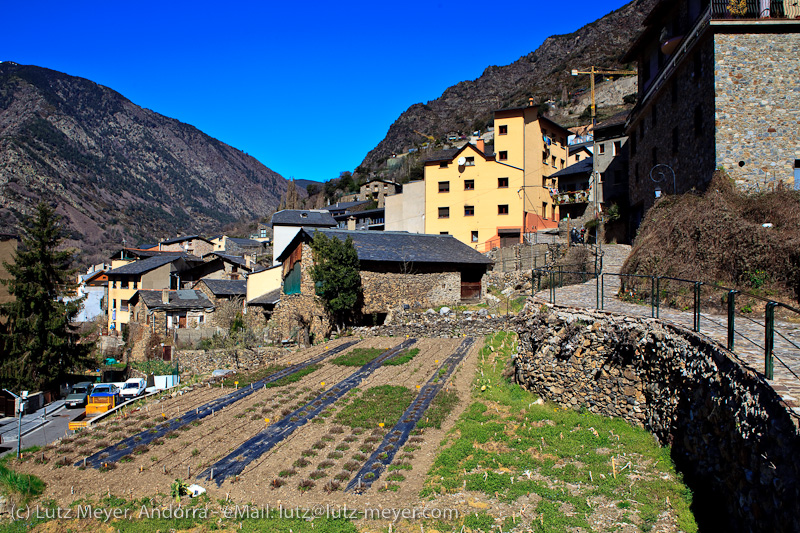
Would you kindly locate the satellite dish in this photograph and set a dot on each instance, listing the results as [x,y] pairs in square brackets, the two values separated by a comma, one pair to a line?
[462,161]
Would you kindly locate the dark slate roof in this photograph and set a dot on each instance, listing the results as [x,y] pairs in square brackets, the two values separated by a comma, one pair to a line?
[361,214]
[298,217]
[399,246]
[614,120]
[226,287]
[245,242]
[271,298]
[145,265]
[184,238]
[237,260]
[443,155]
[146,246]
[338,206]
[183,299]
[580,146]
[584,166]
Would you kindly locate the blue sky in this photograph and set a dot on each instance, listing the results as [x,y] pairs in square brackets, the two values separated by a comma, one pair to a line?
[284,80]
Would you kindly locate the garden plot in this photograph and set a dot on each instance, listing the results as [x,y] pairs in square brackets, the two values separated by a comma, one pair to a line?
[316,459]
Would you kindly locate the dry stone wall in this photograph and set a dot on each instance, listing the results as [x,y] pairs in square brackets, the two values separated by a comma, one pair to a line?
[730,432]
[384,290]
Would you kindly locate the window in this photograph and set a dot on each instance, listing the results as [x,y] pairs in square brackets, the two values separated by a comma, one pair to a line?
[444,164]
[503,155]
[502,209]
[125,284]
[114,303]
[469,210]
[444,233]
[601,148]
[560,163]
[553,161]
[617,148]
[134,284]
[502,183]
[123,305]
[474,236]
[544,209]
[470,162]
[444,186]
[503,131]
[544,157]
[444,212]
[469,185]
[577,158]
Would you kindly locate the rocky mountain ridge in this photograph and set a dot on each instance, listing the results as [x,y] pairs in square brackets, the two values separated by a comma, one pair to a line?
[118,173]
[544,74]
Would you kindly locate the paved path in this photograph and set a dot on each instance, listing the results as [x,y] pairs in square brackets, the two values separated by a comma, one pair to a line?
[748,342]
[38,428]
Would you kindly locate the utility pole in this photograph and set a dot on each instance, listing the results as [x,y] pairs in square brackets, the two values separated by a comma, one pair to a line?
[595,174]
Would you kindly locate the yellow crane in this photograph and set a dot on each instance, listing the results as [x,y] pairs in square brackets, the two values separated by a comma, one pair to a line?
[595,70]
[431,138]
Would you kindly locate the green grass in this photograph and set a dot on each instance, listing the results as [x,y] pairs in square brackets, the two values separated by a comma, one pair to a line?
[403,357]
[384,404]
[358,357]
[504,434]
[21,487]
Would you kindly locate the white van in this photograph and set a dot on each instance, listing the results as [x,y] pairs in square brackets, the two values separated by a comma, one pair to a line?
[132,388]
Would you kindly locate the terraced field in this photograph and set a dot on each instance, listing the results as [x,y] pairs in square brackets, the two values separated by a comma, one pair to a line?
[378,423]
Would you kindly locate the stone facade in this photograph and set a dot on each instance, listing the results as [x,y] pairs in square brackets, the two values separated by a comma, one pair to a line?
[757,115]
[384,290]
[731,434]
[298,315]
[199,362]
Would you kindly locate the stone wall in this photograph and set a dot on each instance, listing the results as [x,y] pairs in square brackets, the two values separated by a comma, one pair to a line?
[757,117]
[444,324]
[384,290]
[297,315]
[193,362]
[670,114]
[730,433]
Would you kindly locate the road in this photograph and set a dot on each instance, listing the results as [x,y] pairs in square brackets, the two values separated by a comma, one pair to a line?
[57,421]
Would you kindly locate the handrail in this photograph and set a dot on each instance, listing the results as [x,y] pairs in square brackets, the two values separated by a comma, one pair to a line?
[732,295]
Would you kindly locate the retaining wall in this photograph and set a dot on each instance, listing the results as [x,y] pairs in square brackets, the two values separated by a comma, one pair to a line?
[730,433]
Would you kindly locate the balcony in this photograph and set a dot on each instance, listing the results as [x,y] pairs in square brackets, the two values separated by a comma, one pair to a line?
[756,9]
[571,197]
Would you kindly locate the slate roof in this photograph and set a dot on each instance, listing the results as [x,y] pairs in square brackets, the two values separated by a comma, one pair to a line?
[182,299]
[614,120]
[237,260]
[298,217]
[226,287]
[399,246]
[361,214]
[338,206]
[584,166]
[245,242]
[581,146]
[271,298]
[146,265]
[184,238]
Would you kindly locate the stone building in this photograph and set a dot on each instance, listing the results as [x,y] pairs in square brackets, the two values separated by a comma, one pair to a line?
[223,293]
[714,91]
[189,244]
[397,269]
[163,311]
[286,224]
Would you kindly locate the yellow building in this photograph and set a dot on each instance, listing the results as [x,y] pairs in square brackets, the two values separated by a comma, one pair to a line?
[488,200]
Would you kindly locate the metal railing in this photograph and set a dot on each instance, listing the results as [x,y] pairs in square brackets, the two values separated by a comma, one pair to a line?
[634,289]
[755,10]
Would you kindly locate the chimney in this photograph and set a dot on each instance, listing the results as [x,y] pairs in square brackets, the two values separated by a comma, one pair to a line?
[479,145]
[164,296]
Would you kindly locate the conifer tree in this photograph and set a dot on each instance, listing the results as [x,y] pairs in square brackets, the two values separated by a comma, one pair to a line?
[40,345]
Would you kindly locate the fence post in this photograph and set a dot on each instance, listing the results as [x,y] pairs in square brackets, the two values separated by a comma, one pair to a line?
[769,330]
[560,277]
[653,297]
[597,288]
[697,305]
[731,318]
[552,287]
[602,290]
[658,296]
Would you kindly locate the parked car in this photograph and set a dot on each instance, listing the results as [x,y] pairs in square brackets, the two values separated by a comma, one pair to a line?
[105,390]
[132,388]
[79,394]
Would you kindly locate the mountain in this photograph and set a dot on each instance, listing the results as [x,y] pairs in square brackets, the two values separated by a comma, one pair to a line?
[115,170]
[543,74]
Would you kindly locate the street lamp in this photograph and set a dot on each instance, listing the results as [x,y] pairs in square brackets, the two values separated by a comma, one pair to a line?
[22,403]
[660,173]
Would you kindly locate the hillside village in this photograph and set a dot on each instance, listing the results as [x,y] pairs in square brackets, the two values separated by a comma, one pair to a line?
[714,92]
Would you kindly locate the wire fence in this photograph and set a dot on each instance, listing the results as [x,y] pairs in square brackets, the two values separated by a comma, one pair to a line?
[749,319]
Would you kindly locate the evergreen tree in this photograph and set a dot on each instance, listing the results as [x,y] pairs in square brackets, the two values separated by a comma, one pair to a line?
[40,346]
[336,276]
